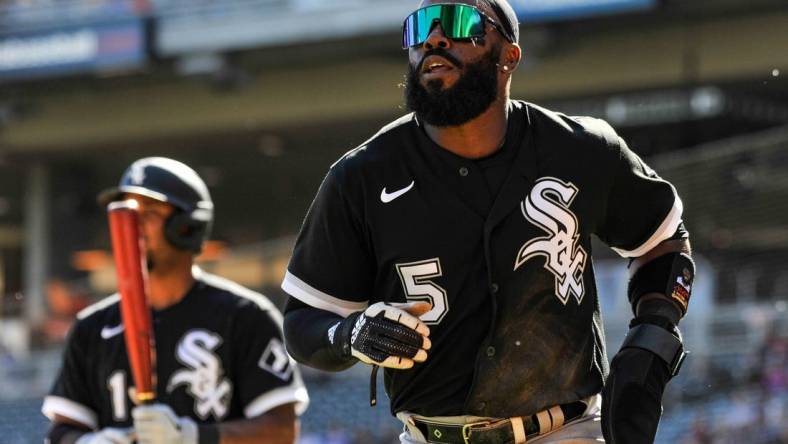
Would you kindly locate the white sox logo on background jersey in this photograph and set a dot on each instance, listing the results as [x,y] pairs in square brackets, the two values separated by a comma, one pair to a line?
[547,206]
[203,378]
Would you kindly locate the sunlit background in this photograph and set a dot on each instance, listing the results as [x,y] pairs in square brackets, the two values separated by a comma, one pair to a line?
[260,96]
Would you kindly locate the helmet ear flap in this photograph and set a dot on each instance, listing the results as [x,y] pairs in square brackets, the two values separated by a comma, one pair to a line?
[184,232]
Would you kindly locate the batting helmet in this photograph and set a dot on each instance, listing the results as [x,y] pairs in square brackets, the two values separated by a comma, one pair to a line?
[174,182]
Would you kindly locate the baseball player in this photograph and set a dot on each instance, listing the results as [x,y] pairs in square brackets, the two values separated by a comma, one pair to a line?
[453,248]
[222,371]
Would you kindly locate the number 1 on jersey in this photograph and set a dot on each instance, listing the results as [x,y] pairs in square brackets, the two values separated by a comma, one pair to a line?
[117,389]
[415,278]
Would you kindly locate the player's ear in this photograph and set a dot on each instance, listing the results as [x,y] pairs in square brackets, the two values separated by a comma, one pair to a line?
[510,57]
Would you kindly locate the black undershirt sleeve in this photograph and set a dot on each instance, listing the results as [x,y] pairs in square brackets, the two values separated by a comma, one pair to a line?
[306,335]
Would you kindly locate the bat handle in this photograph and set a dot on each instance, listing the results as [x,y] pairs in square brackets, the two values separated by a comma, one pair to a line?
[146,397]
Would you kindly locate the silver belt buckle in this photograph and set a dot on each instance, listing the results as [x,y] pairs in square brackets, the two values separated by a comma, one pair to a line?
[466,429]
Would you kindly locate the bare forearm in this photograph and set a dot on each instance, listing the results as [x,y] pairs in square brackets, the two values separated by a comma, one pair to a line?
[243,432]
[68,438]
[66,431]
[277,426]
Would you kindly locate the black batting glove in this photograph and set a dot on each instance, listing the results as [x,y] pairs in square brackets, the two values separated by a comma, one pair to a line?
[387,335]
[632,396]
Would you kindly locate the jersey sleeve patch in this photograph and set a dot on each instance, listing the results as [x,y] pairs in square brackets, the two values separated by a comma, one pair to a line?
[56,405]
[274,398]
[664,231]
[276,361]
[316,298]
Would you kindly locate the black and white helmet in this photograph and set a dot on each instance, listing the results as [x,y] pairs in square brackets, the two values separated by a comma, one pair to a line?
[174,182]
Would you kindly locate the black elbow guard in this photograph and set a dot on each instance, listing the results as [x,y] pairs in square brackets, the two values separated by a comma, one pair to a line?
[670,275]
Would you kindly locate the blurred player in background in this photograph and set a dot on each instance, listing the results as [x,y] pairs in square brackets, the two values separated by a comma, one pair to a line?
[453,248]
[221,368]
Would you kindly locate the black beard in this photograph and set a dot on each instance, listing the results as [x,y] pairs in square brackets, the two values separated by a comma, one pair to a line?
[471,95]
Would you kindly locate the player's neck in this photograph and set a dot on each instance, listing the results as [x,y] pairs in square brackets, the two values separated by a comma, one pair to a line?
[169,287]
[476,138]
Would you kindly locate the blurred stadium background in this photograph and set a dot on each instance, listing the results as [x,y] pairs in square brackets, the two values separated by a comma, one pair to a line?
[260,96]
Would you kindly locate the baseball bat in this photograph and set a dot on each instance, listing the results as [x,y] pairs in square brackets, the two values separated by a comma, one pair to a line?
[132,275]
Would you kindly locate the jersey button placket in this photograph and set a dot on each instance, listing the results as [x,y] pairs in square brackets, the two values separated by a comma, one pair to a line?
[463,171]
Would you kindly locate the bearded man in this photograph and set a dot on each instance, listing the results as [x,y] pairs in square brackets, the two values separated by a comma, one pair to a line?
[453,248]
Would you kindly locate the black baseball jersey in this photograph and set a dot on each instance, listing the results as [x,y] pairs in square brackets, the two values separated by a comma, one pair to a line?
[515,325]
[219,356]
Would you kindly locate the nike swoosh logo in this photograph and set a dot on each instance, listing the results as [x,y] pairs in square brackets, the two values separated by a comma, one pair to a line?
[388,197]
[108,332]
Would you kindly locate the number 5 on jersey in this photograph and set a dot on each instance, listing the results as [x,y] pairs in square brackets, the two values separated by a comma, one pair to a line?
[415,278]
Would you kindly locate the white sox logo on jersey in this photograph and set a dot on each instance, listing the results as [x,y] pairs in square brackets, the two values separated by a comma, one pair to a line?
[547,206]
[203,378]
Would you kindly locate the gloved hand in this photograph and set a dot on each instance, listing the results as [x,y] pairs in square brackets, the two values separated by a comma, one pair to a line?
[632,397]
[158,424]
[108,435]
[388,335]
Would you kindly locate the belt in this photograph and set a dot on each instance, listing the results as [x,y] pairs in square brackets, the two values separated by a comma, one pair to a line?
[514,430]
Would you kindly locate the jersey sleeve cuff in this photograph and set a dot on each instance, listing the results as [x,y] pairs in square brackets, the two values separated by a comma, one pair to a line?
[316,298]
[665,230]
[56,405]
[276,397]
